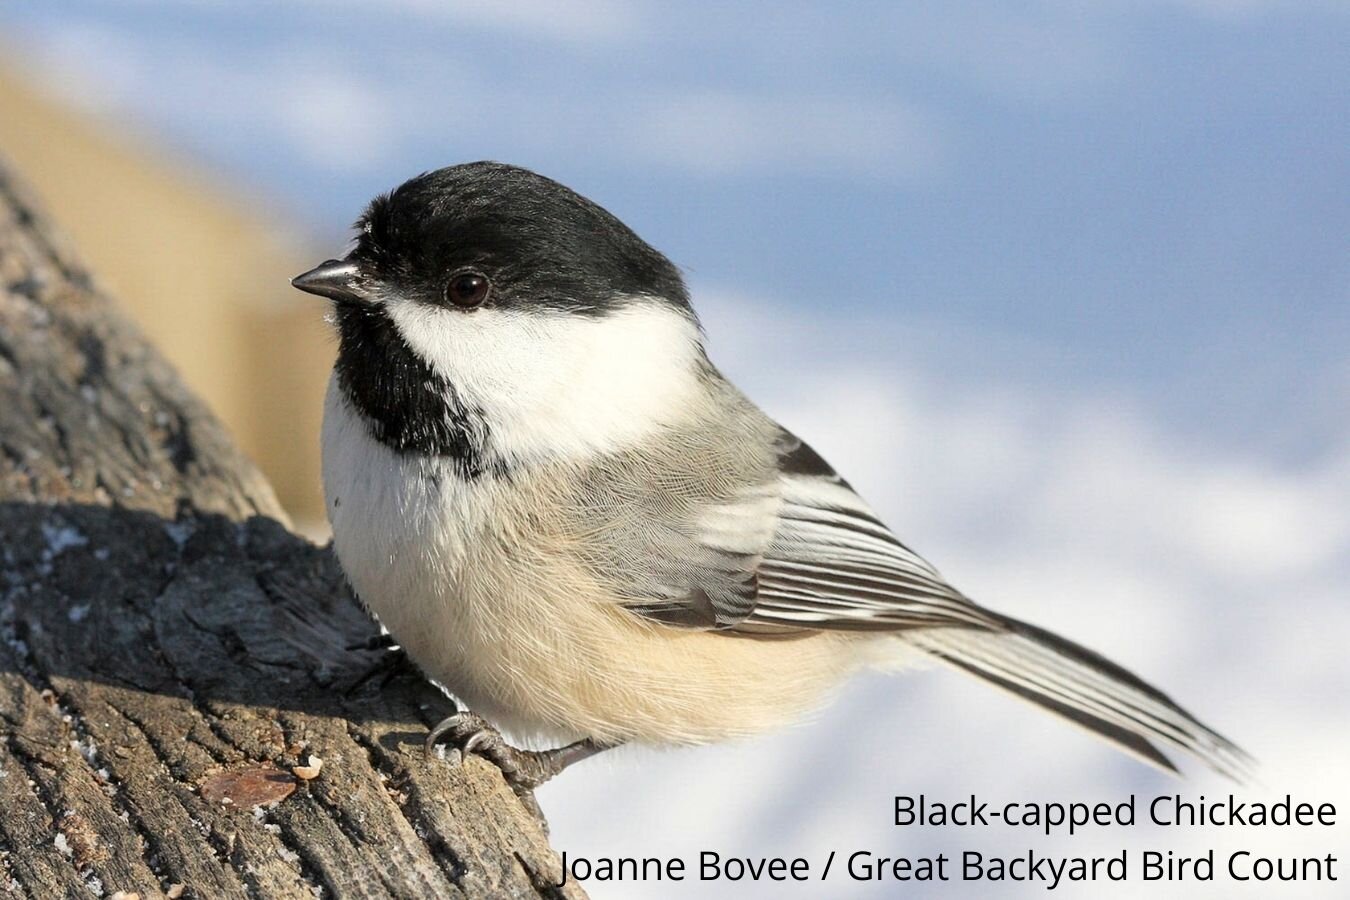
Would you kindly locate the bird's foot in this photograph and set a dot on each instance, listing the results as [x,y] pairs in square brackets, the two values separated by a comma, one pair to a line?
[467,732]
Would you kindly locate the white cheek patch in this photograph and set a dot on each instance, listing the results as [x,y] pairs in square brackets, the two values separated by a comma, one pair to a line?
[556,385]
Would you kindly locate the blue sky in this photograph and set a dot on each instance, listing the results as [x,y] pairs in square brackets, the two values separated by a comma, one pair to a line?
[1148,196]
[1062,287]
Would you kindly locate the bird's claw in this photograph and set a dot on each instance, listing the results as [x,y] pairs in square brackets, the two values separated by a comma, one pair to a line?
[467,732]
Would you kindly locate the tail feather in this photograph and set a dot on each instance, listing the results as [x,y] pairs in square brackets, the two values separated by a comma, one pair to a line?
[1085,688]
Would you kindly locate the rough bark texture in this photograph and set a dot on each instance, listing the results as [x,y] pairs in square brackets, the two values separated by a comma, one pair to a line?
[163,629]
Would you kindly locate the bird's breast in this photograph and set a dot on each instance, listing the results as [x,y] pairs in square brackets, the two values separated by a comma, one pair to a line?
[486,583]
[461,570]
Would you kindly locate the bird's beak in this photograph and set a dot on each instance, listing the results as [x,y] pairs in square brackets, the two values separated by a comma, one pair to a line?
[336,279]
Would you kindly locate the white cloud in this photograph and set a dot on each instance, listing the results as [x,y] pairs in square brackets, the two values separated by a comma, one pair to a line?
[90,67]
[334,117]
[1026,53]
[309,104]
[334,121]
[723,133]
[577,21]
[587,21]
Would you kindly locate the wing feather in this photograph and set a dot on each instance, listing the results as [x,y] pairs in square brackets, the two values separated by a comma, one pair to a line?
[832,564]
[800,552]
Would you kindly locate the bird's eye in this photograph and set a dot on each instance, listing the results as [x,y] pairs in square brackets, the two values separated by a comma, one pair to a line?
[468,289]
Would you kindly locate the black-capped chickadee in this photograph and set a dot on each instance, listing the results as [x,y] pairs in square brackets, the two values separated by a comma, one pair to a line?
[564,513]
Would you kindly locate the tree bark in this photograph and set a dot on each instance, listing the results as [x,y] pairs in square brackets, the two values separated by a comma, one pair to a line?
[171,650]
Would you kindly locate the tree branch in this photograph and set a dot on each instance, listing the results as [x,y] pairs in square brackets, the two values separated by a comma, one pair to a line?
[171,650]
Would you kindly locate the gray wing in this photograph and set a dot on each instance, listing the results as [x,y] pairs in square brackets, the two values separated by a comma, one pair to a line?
[700,569]
[677,527]
[833,565]
[791,550]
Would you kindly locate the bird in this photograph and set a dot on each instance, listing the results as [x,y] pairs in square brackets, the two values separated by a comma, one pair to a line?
[561,510]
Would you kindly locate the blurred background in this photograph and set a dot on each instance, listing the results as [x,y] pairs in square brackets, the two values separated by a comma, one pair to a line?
[1063,288]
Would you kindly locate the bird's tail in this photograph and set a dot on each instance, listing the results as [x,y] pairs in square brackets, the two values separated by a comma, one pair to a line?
[1085,688]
